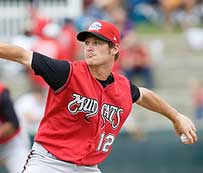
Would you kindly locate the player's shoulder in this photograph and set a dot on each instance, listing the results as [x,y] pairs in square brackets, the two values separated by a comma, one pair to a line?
[80,64]
[77,63]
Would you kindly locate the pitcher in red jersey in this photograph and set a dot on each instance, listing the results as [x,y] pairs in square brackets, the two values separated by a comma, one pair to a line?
[87,104]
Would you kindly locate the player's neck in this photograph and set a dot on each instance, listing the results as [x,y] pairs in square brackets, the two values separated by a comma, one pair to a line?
[100,72]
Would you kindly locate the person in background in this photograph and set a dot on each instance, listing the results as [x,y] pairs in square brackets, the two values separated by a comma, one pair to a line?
[30,108]
[13,152]
[121,21]
[48,44]
[188,15]
[68,40]
[38,21]
[167,8]
[96,10]
[135,60]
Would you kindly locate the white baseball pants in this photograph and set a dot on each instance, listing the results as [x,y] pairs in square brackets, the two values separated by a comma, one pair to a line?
[41,161]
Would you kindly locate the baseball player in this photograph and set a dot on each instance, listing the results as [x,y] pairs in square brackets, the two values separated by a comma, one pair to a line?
[87,104]
[13,153]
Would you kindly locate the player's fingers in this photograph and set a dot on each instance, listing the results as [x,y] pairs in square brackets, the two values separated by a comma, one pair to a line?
[193,128]
[191,137]
[194,135]
[192,125]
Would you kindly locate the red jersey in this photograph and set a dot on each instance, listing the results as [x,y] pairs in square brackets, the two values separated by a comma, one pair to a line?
[82,120]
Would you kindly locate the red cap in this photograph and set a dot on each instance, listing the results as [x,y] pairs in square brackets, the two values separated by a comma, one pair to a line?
[104,30]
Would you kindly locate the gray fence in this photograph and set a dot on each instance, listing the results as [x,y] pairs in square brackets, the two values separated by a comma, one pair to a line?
[14,14]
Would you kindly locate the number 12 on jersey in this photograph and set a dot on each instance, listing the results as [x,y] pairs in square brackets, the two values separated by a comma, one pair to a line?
[105,142]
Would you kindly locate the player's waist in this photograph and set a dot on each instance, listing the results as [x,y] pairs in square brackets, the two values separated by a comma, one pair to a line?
[38,147]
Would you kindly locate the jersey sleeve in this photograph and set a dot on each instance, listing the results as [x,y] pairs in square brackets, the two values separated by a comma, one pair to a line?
[8,109]
[54,72]
[135,92]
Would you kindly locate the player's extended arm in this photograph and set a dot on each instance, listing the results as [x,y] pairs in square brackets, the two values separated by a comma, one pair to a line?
[16,53]
[182,124]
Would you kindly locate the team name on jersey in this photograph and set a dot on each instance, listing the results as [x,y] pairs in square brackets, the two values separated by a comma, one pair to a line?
[83,104]
[112,114]
[90,107]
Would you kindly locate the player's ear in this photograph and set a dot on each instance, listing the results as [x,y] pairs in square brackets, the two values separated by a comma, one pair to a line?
[116,49]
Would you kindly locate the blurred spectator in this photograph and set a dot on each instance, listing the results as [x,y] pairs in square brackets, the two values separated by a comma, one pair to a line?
[185,13]
[141,11]
[102,9]
[97,10]
[135,60]
[68,40]
[30,108]
[13,151]
[168,7]
[38,21]
[189,15]
[86,4]
[48,44]
[120,19]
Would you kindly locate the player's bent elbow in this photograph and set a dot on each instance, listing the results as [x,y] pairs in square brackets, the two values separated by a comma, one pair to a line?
[26,58]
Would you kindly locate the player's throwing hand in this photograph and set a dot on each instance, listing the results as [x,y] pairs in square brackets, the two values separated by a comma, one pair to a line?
[186,129]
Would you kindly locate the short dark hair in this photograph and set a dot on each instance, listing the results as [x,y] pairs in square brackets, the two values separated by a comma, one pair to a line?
[112,45]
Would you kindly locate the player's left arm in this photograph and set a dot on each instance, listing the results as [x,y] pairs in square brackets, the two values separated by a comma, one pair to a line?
[182,124]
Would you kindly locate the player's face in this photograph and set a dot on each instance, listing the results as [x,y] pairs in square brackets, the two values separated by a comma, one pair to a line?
[97,52]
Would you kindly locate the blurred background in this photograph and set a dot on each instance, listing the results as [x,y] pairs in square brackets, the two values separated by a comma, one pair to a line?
[162,49]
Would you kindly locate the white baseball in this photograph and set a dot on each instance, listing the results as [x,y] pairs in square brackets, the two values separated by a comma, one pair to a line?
[183,138]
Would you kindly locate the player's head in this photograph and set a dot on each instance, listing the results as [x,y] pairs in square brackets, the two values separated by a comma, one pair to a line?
[103,30]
